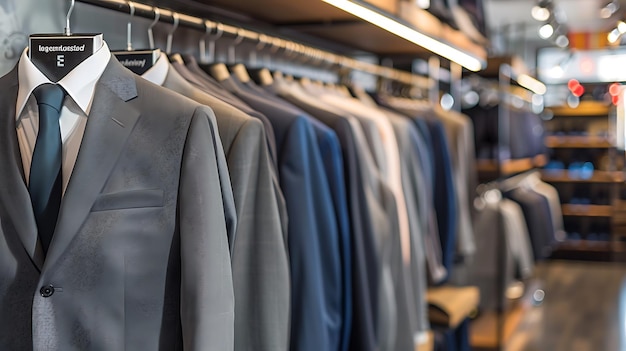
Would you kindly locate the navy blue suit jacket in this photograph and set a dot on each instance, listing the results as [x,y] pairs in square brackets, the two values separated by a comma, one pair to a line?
[365,283]
[315,248]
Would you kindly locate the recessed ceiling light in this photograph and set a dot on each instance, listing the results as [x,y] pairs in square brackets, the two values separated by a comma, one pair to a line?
[562,41]
[540,13]
[613,36]
[608,10]
[546,31]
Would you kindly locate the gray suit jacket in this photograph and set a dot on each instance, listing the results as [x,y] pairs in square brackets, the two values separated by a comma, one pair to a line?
[139,258]
[260,264]
[413,184]
[460,138]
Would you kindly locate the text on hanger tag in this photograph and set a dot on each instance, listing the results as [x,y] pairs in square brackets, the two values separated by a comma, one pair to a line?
[57,55]
[139,61]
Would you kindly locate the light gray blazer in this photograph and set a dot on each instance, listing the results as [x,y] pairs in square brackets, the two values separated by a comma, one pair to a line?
[139,258]
[259,261]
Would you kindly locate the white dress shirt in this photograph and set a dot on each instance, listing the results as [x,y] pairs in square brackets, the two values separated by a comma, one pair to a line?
[158,72]
[80,85]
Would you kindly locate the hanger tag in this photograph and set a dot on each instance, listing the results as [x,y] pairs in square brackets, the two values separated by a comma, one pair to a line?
[139,62]
[56,55]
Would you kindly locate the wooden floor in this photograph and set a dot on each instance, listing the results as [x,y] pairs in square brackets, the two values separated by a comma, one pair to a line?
[584,309]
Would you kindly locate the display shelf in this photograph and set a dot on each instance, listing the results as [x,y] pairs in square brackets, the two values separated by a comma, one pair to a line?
[585,245]
[587,210]
[585,250]
[585,109]
[590,250]
[450,305]
[603,186]
[540,160]
[508,167]
[577,142]
[483,333]
[561,176]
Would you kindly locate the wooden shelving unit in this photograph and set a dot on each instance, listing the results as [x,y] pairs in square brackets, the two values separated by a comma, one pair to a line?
[577,142]
[591,250]
[553,176]
[596,218]
[585,109]
[587,210]
[586,245]
[540,160]
[509,167]
[482,334]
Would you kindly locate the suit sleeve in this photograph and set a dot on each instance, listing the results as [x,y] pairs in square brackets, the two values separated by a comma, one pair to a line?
[207,298]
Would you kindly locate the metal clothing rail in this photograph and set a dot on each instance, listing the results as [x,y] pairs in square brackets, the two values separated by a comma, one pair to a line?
[210,27]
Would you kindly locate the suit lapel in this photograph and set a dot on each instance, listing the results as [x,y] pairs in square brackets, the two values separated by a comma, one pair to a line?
[109,124]
[14,197]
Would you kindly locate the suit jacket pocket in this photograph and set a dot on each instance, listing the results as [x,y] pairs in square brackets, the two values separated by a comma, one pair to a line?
[129,199]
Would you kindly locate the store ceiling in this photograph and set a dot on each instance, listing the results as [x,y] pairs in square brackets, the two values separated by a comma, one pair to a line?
[582,15]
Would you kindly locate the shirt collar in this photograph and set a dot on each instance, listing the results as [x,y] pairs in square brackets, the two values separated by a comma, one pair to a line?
[80,83]
[158,72]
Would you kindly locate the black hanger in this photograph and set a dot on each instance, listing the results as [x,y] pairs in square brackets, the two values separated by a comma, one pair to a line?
[139,61]
[56,55]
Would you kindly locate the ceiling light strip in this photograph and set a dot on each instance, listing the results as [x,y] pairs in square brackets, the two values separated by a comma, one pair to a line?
[531,84]
[391,25]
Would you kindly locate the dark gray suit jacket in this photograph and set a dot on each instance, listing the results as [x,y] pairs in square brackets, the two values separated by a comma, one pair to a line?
[139,258]
[260,264]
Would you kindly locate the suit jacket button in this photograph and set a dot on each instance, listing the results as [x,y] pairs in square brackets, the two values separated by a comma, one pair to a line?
[47,291]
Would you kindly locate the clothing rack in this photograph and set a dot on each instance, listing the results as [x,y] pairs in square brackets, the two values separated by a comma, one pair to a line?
[209,27]
[505,75]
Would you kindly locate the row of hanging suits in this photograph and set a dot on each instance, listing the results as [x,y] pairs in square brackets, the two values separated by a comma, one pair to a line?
[518,221]
[221,214]
[361,224]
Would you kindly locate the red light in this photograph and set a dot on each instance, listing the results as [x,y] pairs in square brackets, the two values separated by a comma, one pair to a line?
[575,87]
[578,91]
[614,89]
[615,99]
[573,83]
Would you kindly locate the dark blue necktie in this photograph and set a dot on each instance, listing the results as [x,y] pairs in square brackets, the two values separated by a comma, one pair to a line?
[46,180]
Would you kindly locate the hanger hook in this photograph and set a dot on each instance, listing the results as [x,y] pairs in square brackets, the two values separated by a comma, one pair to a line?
[157,17]
[262,42]
[208,25]
[231,48]
[129,28]
[207,57]
[68,31]
[274,45]
[219,31]
[303,53]
[290,51]
[170,35]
